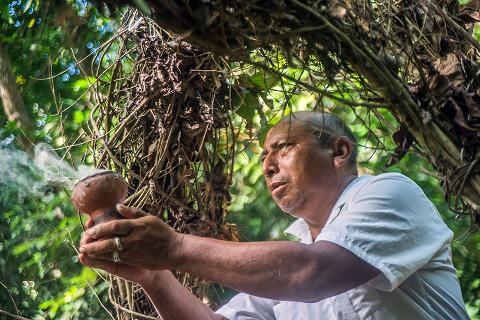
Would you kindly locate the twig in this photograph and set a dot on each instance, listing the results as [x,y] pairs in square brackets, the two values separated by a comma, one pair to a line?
[100,301]
[14,316]
[10,296]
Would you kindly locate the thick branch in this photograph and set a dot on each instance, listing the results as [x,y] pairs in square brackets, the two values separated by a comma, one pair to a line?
[12,101]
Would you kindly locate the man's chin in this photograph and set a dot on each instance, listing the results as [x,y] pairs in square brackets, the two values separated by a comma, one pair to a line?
[292,204]
[287,207]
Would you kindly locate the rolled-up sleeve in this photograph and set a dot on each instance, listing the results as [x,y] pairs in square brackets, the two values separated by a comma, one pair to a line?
[392,225]
[247,307]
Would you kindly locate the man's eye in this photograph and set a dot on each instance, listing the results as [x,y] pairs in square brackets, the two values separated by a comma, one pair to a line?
[283,145]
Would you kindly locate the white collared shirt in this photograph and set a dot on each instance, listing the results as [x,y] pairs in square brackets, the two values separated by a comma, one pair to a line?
[387,221]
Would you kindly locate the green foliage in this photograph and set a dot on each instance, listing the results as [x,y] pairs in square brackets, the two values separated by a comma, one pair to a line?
[39,274]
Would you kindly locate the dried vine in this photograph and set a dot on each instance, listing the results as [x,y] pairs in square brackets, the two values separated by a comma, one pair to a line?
[162,119]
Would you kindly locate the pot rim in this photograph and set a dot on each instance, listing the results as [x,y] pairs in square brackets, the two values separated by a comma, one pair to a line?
[95,175]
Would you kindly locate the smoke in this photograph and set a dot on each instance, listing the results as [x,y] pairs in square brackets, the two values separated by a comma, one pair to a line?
[53,169]
[27,176]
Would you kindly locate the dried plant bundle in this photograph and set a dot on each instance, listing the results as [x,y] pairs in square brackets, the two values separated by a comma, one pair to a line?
[162,119]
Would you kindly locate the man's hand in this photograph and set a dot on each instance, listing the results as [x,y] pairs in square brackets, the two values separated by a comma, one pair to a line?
[146,240]
[139,275]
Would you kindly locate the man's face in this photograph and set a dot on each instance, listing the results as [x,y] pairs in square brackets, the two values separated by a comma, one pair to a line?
[296,169]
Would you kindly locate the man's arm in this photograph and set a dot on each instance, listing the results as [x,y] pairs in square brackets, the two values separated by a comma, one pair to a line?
[282,270]
[173,301]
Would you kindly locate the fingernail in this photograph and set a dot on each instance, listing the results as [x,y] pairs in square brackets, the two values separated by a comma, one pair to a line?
[82,249]
[121,206]
[92,232]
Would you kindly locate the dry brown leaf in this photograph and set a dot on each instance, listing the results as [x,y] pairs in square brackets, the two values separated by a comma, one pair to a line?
[451,68]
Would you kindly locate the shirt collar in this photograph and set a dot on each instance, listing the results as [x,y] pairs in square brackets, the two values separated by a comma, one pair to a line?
[299,228]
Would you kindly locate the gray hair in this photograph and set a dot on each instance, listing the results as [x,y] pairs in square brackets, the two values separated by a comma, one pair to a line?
[327,128]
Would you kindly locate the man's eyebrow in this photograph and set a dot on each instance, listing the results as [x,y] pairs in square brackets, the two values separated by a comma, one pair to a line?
[263,154]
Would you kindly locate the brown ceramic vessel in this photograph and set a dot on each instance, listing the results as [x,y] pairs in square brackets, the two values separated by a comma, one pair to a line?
[97,195]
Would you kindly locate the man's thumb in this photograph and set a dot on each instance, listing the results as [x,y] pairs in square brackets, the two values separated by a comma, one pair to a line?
[129,212]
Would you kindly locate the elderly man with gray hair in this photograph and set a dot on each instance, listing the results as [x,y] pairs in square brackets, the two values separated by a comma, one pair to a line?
[370,247]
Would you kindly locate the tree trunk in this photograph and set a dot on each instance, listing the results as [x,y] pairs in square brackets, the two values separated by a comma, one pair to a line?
[11,98]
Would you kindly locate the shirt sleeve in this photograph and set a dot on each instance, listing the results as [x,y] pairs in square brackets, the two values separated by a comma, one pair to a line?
[392,225]
[248,307]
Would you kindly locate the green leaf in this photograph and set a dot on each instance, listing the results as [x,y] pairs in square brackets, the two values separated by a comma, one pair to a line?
[262,133]
[28,4]
[248,106]
[263,81]
[23,247]
[82,84]
[80,116]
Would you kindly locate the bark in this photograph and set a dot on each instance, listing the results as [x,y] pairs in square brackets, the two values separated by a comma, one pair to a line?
[12,100]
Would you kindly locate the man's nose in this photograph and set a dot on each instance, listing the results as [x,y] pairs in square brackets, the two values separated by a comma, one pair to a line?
[270,166]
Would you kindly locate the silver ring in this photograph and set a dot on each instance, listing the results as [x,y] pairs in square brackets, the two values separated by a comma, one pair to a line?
[116,257]
[118,243]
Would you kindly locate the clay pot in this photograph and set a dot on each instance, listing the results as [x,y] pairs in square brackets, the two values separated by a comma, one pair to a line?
[97,195]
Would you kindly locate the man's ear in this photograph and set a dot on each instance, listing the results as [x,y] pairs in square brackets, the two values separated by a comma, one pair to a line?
[342,151]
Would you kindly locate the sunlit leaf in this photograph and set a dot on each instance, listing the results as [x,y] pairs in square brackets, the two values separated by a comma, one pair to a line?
[20,80]
[28,4]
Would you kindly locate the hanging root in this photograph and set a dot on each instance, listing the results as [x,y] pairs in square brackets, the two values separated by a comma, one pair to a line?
[163,121]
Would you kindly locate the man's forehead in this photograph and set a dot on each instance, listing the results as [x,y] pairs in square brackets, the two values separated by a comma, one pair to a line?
[289,128]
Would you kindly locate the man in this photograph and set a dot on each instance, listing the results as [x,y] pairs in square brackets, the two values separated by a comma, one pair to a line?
[370,247]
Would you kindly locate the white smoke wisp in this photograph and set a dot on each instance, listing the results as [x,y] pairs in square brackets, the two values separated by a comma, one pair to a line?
[31,176]
[51,168]
[16,174]
[54,169]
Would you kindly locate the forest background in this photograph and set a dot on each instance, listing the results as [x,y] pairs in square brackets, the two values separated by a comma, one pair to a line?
[50,48]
